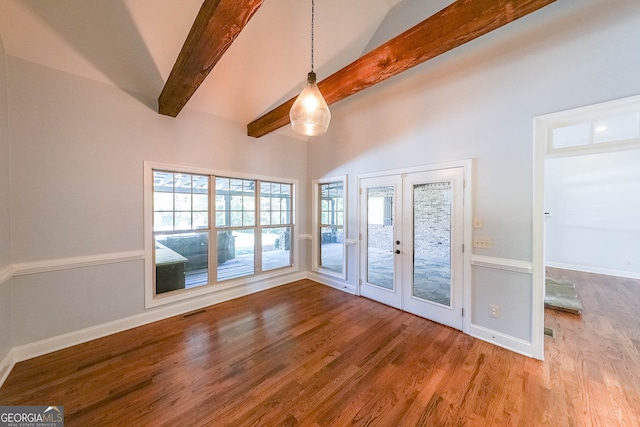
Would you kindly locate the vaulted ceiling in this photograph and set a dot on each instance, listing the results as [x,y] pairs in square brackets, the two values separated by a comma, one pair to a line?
[133,44]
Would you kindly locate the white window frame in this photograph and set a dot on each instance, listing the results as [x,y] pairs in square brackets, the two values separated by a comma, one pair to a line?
[260,227]
[153,300]
[589,115]
[315,237]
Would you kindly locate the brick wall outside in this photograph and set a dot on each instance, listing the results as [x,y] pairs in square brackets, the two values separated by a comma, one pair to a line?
[432,218]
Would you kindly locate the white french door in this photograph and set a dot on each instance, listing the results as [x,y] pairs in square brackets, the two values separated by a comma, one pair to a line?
[412,236]
[381,247]
[433,233]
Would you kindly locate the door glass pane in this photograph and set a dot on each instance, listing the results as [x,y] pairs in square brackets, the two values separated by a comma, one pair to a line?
[380,236]
[432,241]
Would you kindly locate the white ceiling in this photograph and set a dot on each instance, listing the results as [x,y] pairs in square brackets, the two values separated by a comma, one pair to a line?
[133,45]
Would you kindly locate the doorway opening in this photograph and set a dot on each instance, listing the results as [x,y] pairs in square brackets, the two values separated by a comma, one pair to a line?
[584,208]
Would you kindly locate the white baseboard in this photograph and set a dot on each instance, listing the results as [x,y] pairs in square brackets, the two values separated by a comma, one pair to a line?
[59,342]
[514,344]
[596,270]
[331,281]
[6,365]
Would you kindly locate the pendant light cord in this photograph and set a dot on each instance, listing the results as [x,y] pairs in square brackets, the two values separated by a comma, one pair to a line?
[312,19]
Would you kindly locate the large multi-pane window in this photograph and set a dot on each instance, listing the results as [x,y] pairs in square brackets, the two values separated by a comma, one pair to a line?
[181,230]
[247,228]
[330,226]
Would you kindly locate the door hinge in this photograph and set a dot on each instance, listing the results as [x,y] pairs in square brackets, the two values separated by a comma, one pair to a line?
[463,248]
[463,312]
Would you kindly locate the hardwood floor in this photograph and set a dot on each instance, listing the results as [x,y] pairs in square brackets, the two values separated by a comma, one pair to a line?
[306,354]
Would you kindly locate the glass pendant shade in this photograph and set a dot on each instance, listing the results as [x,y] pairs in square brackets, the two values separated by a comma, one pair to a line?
[310,113]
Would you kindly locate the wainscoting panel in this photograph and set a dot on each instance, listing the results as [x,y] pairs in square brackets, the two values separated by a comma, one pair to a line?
[507,284]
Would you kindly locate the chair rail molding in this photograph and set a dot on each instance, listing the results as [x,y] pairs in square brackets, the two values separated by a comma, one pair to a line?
[525,267]
[43,266]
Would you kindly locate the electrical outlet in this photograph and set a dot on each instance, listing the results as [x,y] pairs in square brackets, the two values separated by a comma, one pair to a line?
[494,311]
[477,222]
[482,243]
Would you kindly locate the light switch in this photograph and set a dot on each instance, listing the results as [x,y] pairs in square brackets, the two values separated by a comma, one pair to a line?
[477,222]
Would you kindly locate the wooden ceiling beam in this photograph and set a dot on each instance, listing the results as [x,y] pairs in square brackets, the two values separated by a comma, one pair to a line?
[217,25]
[459,23]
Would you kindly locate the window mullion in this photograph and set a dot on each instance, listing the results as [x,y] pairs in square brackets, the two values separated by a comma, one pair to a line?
[258,227]
[213,234]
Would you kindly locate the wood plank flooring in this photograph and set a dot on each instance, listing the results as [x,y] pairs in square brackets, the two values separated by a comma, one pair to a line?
[307,355]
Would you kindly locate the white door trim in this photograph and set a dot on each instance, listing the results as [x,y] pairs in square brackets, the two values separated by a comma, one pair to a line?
[540,140]
[543,128]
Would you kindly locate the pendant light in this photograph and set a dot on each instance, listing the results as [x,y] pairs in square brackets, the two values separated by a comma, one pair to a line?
[310,113]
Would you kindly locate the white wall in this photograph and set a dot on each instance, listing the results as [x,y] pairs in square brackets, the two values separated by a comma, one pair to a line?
[595,202]
[479,101]
[78,148]
[5,212]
